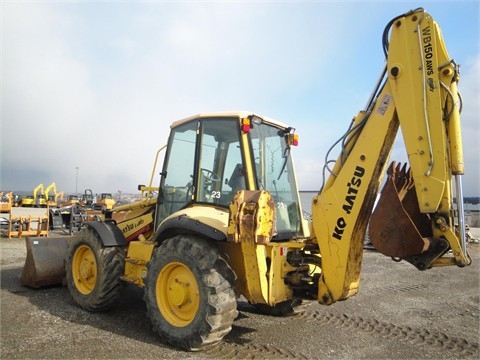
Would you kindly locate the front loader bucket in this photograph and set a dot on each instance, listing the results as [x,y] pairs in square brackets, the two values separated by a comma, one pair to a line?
[45,262]
[397,228]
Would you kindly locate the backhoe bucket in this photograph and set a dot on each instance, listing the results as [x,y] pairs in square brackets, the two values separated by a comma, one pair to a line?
[45,262]
[397,228]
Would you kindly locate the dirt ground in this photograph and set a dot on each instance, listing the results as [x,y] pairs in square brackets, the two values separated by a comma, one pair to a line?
[399,313]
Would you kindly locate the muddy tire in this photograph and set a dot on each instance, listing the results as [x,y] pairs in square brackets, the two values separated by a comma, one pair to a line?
[93,272]
[189,293]
[287,308]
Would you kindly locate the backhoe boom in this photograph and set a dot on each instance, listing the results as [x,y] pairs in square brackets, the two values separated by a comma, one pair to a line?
[414,218]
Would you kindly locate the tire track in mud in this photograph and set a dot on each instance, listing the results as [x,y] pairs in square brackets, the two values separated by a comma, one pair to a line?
[405,288]
[417,336]
[229,350]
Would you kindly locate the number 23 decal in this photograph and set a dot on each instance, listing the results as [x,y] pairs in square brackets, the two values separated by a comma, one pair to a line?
[216,194]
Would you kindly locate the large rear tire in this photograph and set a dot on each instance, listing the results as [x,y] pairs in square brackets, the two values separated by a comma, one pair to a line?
[93,272]
[189,293]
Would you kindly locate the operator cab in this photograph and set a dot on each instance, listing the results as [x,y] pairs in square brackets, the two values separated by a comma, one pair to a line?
[210,157]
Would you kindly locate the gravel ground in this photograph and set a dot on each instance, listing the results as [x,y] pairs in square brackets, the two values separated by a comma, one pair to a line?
[399,313]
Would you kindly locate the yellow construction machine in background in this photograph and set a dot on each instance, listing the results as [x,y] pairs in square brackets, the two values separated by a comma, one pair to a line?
[36,199]
[87,199]
[104,201]
[41,197]
[228,221]
[6,202]
[54,199]
[72,200]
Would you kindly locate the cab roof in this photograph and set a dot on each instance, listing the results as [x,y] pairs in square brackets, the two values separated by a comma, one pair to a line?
[238,114]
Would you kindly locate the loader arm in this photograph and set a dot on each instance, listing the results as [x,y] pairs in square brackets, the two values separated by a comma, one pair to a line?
[414,218]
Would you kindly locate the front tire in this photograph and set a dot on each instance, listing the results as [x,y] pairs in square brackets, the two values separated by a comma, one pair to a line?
[93,272]
[188,292]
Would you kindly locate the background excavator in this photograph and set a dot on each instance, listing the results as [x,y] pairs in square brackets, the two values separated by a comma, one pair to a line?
[36,199]
[56,198]
[228,221]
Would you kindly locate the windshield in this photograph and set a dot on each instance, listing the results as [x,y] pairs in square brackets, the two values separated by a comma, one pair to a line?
[274,173]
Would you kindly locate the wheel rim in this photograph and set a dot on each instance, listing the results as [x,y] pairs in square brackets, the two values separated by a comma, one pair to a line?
[84,269]
[177,294]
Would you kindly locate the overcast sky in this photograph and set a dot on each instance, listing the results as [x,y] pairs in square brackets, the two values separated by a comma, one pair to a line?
[95,85]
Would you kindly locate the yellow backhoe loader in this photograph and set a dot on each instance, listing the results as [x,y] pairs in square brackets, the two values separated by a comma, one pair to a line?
[227,220]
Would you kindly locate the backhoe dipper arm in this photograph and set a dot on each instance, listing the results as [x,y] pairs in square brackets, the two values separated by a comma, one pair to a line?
[414,218]
[50,187]
[39,188]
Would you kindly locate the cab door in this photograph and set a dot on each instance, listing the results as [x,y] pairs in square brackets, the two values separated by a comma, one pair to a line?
[203,164]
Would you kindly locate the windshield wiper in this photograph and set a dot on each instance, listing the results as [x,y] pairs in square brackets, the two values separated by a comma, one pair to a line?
[286,155]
